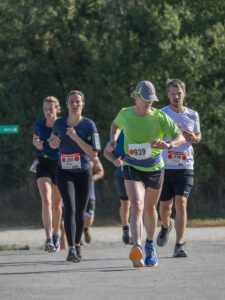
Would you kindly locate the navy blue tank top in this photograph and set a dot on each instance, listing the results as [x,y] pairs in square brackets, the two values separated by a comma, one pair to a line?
[44,133]
[84,130]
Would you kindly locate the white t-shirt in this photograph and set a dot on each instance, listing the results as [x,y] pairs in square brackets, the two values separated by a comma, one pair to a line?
[181,157]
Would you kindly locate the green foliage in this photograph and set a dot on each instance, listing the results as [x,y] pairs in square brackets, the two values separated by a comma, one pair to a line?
[104,48]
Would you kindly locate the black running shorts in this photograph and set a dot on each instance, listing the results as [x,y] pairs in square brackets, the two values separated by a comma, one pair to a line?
[121,190]
[46,168]
[177,183]
[153,179]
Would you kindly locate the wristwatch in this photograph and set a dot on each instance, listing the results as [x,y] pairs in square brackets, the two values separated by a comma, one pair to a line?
[171,145]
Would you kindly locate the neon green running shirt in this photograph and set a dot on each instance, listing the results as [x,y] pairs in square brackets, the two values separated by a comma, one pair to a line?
[146,129]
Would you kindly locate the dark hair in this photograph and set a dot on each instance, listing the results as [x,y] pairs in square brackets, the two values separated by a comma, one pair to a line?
[75,92]
[175,83]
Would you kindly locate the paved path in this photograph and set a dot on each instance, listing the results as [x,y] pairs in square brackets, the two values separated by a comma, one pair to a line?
[106,272]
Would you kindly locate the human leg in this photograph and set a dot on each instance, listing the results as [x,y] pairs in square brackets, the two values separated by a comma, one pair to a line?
[45,189]
[57,209]
[124,212]
[124,209]
[89,219]
[63,240]
[167,222]
[65,183]
[165,211]
[180,225]
[83,186]
[181,217]
[136,191]
[150,211]
[125,216]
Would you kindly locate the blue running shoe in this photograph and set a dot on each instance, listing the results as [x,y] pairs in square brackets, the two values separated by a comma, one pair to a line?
[136,255]
[151,259]
[55,238]
[49,245]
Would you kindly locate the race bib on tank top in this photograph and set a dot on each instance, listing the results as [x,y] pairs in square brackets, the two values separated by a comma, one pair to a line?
[71,161]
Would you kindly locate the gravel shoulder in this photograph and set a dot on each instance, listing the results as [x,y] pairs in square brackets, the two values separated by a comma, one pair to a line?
[35,238]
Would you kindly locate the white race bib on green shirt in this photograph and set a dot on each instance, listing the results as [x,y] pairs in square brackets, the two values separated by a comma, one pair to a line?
[140,151]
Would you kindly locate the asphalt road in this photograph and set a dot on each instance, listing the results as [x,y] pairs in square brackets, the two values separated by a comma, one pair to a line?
[107,273]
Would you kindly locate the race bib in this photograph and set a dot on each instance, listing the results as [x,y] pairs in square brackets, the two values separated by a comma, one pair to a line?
[140,151]
[70,161]
[176,159]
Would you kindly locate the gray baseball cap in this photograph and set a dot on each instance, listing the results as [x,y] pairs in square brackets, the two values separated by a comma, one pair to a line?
[146,90]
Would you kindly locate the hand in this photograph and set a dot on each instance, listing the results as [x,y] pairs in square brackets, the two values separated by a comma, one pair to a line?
[158,144]
[111,146]
[54,142]
[71,132]
[189,136]
[37,143]
[118,161]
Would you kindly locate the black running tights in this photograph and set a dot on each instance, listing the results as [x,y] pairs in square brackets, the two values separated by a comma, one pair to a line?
[74,189]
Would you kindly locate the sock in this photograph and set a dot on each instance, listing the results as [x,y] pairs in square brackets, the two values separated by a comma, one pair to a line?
[126,227]
[149,242]
[85,229]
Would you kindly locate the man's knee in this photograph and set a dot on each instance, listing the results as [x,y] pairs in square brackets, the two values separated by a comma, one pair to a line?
[166,206]
[137,207]
[181,204]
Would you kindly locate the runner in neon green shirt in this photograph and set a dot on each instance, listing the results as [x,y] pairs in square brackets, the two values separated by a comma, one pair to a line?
[144,128]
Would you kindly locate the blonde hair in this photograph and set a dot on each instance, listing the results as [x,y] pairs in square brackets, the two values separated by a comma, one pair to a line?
[77,93]
[53,100]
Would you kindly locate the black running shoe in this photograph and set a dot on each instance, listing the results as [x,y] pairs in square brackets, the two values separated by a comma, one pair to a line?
[179,251]
[78,251]
[87,236]
[126,237]
[163,235]
[72,255]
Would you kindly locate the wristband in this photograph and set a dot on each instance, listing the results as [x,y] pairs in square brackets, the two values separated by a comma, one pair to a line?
[171,145]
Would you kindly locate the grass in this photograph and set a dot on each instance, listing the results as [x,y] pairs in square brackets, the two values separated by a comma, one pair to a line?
[190,223]
[206,222]
[13,247]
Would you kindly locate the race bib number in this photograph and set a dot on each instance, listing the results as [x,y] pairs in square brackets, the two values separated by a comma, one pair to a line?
[140,151]
[176,159]
[71,161]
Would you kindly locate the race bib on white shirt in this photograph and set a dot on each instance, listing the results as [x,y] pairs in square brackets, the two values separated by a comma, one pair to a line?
[176,159]
[70,161]
[140,151]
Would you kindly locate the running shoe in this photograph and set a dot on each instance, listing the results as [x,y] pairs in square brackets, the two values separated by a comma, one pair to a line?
[55,238]
[87,236]
[179,251]
[72,255]
[126,237]
[136,256]
[163,235]
[49,245]
[78,250]
[151,259]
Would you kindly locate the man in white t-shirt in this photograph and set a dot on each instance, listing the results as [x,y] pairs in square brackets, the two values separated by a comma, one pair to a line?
[179,167]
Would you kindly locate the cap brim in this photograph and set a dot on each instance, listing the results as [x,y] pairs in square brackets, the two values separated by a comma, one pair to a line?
[152,99]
